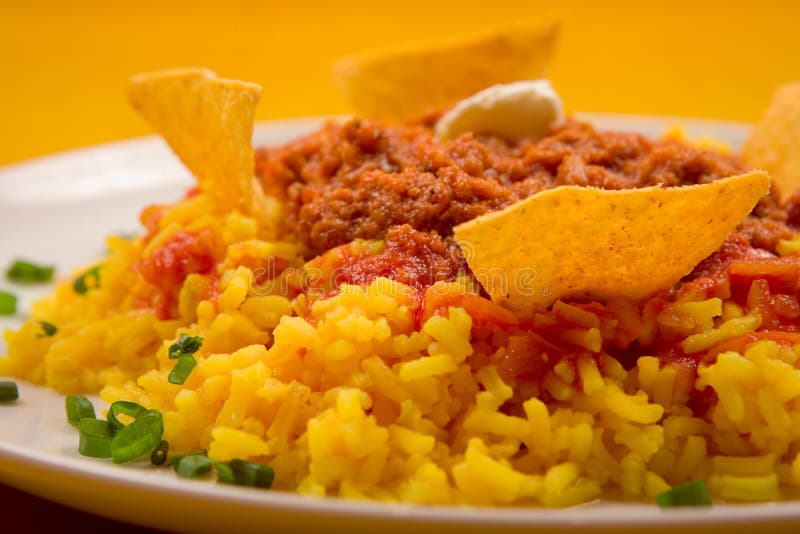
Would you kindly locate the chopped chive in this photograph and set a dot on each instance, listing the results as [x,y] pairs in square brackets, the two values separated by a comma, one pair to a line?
[8,303]
[182,369]
[251,474]
[95,438]
[123,407]
[224,473]
[137,438]
[29,273]
[78,408]
[694,493]
[48,329]
[238,472]
[185,345]
[159,454]
[80,286]
[192,465]
[8,391]
[178,458]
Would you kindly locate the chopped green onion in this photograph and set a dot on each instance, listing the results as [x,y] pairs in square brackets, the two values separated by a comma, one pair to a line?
[182,369]
[176,459]
[78,408]
[8,303]
[192,465]
[123,407]
[159,454]
[48,329]
[137,438]
[8,391]
[692,493]
[95,438]
[29,273]
[236,471]
[224,473]
[185,345]
[251,474]
[80,285]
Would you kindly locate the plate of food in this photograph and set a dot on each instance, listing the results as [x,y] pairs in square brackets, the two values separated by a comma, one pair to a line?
[494,315]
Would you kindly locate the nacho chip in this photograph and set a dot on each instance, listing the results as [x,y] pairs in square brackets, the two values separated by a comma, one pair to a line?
[774,144]
[404,81]
[592,243]
[512,111]
[208,122]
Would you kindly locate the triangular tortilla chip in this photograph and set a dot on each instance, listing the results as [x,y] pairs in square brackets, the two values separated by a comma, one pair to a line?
[774,144]
[408,80]
[208,122]
[593,243]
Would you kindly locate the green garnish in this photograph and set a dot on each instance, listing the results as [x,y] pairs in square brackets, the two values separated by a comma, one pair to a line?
[123,443]
[182,369]
[48,329]
[185,345]
[80,285]
[182,350]
[112,439]
[137,438]
[123,407]
[178,458]
[250,474]
[159,454]
[238,472]
[8,391]
[26,272]
[78,408]
[224,473]
[8,303]
[95,438]
[694,493]
[192,465]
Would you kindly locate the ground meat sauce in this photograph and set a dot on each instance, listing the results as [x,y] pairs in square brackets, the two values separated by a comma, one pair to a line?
[361,179]
[417,259]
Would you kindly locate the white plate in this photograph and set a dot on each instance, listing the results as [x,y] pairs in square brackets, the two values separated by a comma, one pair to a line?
[58,209]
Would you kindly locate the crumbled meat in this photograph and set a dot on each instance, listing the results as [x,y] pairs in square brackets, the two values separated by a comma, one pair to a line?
[359,179]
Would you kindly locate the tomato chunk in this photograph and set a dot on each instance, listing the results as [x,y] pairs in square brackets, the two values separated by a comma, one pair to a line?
[782,274]
[526,357]
[183,254]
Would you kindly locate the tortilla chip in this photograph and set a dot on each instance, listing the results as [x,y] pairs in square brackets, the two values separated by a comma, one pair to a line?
[208,122]
[406,81]
[774,143]
[512,111]
[593,243]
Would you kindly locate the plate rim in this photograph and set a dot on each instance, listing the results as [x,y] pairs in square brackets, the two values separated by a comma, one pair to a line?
[589,116]
[637,514]
[533,516]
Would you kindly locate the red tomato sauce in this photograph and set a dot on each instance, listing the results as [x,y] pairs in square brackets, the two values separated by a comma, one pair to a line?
[168,265]
[366,180]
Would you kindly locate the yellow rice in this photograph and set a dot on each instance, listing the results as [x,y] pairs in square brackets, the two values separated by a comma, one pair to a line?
[351,400]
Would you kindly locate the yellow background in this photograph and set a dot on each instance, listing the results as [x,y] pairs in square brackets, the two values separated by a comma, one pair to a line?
[64,63]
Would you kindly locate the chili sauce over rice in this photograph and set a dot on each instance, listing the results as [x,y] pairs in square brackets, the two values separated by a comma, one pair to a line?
[347,343]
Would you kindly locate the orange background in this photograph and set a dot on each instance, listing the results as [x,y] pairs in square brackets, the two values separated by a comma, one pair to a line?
[64,63]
